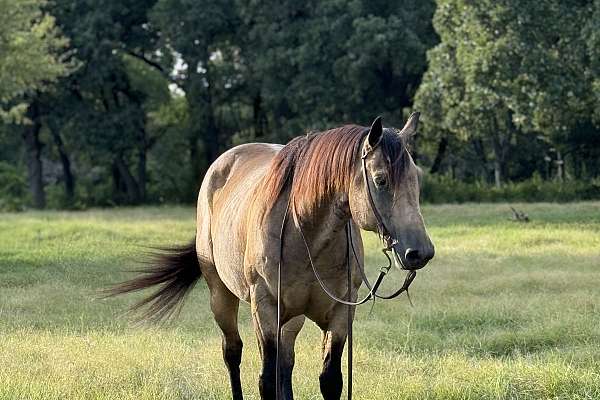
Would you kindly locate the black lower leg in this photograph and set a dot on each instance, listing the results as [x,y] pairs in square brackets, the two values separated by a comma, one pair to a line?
[286,380]
[266,383]
[232,354]
[331,377]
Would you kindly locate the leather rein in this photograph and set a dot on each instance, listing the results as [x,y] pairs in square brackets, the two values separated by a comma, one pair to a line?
[389,243]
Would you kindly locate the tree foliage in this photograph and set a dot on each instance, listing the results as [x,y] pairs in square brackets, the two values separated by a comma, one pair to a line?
[503,70]
[129,101]
[33,51]
[318,63]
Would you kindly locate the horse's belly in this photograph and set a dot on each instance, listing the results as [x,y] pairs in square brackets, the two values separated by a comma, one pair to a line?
[228,234]
[230,270]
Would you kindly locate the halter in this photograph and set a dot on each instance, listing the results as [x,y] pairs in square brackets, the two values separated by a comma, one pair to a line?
[389,243]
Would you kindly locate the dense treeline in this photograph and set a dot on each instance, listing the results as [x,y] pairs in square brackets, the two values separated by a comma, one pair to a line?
[128,101]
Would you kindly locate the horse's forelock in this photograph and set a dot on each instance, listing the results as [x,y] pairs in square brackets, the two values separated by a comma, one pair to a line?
[395,149]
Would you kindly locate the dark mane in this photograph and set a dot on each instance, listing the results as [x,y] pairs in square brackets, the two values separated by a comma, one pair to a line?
[318,165]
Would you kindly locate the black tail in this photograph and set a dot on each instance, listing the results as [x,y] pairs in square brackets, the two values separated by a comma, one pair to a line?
[175,270]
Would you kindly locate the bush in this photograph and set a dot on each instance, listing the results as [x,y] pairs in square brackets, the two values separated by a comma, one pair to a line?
[443,189]
[13,188]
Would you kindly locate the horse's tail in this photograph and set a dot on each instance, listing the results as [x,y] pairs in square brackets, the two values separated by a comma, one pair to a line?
[174,270]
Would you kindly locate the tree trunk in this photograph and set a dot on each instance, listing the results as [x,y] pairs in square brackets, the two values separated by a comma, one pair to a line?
[193,138]
[559,166]
[479,148]
[142,152]
[194,157]
[69,178]
[500,144]
[143,144]
[203,126]
[131,186]
[193,88]
[205,130]
[33,148]
[211,137]
[439,156]
[498,160]
[497,173]
[142,174]
[260,120]
[117,186]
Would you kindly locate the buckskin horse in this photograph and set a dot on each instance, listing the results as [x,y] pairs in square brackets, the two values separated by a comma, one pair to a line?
[275,225]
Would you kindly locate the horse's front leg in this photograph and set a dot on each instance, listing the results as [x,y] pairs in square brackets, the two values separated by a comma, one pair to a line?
[334,339]
[264,317]
[288,338]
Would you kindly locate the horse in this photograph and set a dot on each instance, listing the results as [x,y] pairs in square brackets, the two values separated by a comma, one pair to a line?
[274,227]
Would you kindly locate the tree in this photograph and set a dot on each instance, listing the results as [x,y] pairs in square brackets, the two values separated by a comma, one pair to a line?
[197,44]
[316,64]
[106,107]
[502,71]
[32,50]
[32,56]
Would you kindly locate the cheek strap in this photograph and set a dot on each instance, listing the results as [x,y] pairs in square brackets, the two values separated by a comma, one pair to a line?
[381,227]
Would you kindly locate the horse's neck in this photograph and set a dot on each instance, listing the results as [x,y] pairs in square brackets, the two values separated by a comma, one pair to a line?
[326,229]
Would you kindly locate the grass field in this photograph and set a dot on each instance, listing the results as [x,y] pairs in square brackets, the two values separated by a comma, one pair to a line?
[505,311]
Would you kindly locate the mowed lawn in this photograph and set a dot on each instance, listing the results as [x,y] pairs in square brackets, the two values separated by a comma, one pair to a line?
[506,310]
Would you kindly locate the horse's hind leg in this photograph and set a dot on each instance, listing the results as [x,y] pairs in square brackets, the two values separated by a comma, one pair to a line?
[264,317]
[224,305]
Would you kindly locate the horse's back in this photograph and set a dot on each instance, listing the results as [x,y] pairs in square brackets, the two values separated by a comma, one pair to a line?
[225,198]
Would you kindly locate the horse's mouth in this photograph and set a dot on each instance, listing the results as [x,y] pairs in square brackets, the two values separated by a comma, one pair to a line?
[410,275]
[401,265]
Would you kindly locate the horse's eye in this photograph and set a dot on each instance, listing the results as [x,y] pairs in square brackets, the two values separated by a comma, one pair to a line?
[380,181]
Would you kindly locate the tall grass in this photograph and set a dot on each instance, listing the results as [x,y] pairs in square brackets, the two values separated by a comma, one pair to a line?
[505,311]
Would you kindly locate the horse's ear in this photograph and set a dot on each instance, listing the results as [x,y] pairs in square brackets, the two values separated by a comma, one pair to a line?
[375,132]
[410,128]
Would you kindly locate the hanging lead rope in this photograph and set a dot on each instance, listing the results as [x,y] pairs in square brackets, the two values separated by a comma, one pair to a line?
[279,310]
[350,319]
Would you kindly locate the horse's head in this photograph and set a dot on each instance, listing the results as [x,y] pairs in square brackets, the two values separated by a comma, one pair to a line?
[390,202]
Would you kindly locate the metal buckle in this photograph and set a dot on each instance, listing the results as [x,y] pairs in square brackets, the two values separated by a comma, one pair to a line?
[389,243]
[386,269]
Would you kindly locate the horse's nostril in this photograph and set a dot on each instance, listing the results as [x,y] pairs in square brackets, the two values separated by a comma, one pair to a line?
[412,255]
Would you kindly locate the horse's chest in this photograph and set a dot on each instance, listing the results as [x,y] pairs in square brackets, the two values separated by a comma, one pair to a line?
[302,293]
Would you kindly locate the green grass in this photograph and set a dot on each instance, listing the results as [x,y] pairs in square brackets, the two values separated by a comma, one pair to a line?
[505,311]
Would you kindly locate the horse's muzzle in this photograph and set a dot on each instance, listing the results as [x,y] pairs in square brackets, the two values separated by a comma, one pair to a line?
[413,258]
